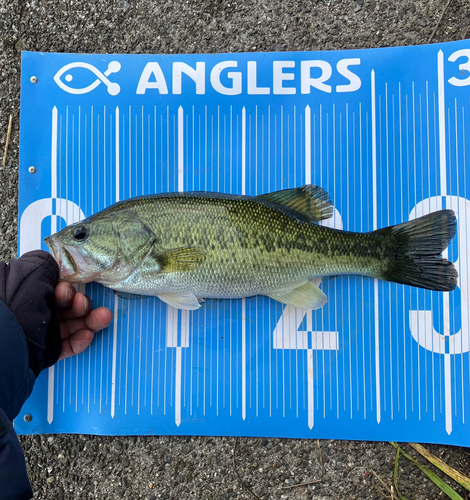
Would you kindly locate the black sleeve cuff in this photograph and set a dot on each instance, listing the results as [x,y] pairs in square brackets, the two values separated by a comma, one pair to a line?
[28,285]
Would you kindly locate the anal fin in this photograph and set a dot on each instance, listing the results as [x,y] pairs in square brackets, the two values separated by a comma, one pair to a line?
[305,296]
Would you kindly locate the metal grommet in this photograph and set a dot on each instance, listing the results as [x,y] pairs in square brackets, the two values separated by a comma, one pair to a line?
[32,170]
[34,79]
[27,418]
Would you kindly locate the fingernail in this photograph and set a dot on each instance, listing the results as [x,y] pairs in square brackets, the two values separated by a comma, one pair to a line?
[87,303]
[68,293]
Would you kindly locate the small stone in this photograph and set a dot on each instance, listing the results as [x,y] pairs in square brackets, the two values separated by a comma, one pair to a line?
[20,45]
[50,480]
[187,449]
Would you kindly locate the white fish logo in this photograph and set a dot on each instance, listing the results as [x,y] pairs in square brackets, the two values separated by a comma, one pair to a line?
[113,88]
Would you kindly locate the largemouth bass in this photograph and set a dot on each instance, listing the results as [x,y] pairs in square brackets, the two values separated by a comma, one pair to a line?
[185,247]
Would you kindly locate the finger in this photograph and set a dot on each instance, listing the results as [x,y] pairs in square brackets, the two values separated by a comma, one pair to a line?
[95,321]
[80,307]
[76,344]
[64,294]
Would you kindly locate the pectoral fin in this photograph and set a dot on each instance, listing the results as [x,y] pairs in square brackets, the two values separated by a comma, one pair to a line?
[180,300]
[306,296]
[179,259]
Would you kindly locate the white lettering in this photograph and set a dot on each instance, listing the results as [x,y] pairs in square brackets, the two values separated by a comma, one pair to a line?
[313,74]
[152,69]
[236,78]
[421,321]
[32,217]
[198,75]
[306,81]
[279,76]
[461,82]
[253,89]
[354,80]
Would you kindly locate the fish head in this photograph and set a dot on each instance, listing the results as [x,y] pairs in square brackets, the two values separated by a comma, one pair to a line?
[85,250]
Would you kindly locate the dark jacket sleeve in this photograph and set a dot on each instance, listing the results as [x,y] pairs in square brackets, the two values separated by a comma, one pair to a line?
[14,483]
[29,342]
[16,384]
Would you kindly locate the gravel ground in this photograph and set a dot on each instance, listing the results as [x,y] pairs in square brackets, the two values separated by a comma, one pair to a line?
[75,466]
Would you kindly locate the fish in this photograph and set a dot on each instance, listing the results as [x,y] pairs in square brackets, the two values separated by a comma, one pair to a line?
[187,247]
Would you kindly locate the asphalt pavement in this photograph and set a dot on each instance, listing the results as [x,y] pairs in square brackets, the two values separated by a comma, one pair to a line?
[77,466]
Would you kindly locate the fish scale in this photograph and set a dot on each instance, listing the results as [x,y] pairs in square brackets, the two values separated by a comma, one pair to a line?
[185,246]
[241,237]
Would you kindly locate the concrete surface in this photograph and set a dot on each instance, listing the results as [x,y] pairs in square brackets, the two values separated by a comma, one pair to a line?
[75,467]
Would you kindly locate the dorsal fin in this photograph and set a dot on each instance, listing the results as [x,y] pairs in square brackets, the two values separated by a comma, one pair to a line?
[312,202]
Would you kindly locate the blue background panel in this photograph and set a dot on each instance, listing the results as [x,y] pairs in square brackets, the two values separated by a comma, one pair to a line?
[384,131]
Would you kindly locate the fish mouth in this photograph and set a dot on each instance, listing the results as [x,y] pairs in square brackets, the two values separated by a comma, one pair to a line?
[74,266]
[66,262]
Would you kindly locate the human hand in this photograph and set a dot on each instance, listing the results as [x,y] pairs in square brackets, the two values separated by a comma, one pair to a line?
[78,321]
[55,319]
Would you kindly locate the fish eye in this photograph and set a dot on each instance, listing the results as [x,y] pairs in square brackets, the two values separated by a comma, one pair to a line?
[80,233]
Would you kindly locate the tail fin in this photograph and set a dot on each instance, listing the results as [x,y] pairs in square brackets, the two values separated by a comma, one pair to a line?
[417,246]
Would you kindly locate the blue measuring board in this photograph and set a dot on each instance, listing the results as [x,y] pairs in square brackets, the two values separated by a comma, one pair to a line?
[384,131]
